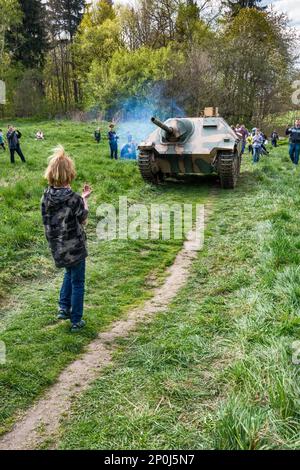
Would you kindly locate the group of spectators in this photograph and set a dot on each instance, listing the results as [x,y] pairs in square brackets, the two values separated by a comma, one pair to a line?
[13,136]
[128,151]
[256,141]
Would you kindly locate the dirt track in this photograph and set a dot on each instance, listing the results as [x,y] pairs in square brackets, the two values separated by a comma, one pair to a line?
[42,420]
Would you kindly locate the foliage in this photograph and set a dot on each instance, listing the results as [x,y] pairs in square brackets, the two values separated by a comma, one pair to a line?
[244,62]
[254,62]
[235,6]
[28,40]
[128,74]
[64,16]
[10,14]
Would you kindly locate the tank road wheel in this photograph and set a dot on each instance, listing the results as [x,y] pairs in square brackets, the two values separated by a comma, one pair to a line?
[229,169]
[146,169]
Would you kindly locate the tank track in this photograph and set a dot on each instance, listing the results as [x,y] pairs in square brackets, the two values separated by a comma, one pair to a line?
[229,169]
[146,169]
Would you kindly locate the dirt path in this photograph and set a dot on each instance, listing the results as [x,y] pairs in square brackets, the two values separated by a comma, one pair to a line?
[42,420]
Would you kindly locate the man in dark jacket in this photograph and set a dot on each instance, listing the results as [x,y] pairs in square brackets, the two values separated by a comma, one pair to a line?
[294,133]
[274,138]
[13,137]
[113,142]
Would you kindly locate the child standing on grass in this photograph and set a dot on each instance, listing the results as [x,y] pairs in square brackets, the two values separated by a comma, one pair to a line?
[97,135]
[257,146]
[250,143]
[64,215]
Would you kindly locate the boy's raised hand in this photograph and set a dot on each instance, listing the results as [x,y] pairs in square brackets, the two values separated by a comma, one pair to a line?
[87,191]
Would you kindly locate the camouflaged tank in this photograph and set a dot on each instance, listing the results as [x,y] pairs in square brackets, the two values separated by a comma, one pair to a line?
[191,146]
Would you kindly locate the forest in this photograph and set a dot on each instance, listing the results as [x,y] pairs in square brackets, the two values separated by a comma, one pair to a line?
[105,60]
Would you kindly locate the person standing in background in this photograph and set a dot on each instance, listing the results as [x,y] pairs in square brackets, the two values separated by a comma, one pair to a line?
[97,135]
[13,139]
[257,146]
[245,134]
[250,143]
[113,142]
[274,139]
[2,144]
[264,143]
[294,147]
[242,133]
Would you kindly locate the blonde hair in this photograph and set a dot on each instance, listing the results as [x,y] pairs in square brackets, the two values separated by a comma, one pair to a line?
[61,169]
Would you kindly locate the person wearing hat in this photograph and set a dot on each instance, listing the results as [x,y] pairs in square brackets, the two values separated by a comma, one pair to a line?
[113,142]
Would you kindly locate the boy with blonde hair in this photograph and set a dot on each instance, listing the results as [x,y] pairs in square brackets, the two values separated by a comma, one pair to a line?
[64,214]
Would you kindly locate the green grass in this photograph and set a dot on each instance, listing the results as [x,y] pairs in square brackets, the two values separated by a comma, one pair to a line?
[118,273]
[215,371]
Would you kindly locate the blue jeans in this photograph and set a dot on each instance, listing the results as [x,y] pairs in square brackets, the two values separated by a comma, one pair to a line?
[72,292]
[113,151]
[256,154]
[294,153]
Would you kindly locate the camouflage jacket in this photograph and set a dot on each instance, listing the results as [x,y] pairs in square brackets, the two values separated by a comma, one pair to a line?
[63,214]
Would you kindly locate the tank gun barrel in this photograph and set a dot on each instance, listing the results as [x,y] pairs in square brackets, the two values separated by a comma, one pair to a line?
[160,124]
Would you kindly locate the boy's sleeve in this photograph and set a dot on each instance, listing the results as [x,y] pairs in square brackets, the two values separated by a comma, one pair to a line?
[80,212]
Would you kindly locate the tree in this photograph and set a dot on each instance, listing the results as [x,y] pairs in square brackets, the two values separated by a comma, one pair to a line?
[10,15]
[28,41]
[97,38]
[149,23]
[253,63]
[190,29]
[129,77]
[235,6]
[64,17]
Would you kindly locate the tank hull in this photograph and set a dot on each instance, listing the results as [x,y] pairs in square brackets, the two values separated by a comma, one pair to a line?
[202,146]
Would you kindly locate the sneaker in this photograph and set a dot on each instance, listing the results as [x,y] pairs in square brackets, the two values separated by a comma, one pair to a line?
[62,315]
[77,326]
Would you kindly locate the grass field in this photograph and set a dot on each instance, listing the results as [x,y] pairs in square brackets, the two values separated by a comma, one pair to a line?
[120,273]
[215,370]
